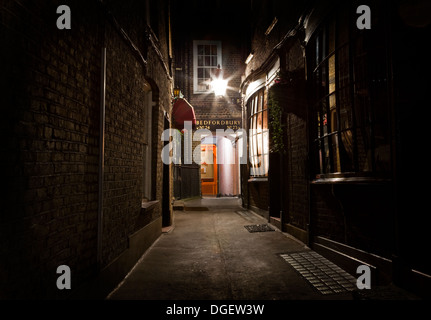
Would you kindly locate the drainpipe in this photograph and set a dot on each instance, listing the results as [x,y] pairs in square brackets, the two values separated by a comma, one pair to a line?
[101,157]
[281,198]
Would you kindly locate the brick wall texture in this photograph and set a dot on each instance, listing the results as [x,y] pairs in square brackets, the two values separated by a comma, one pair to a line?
[51,89]
[207,106]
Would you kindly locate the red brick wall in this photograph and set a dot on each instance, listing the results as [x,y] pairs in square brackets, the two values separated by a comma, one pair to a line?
[207,106]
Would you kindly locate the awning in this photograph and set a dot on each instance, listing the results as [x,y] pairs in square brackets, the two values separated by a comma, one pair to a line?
[183,111]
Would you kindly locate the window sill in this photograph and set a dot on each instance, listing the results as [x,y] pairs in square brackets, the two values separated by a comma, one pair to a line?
[258,179]
[345,178]
[148,205]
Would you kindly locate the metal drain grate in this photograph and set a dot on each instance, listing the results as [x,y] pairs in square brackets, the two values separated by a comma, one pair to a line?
[321,273]
[258,228]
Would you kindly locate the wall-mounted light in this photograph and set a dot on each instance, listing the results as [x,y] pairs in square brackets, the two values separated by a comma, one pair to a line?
[218,84]
[177,93]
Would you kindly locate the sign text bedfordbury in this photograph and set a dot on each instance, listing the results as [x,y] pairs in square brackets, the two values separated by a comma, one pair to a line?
[212,124]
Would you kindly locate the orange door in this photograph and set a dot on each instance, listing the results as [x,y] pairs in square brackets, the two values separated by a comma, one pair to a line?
[209,170]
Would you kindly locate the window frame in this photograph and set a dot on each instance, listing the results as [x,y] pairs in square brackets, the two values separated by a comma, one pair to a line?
[333,158]
[196,43]
[257,108]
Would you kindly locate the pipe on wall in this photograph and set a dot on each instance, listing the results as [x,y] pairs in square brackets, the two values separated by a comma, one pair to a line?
[101,157]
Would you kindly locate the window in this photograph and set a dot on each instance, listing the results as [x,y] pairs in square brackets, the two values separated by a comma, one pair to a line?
[258,134]
[350,114]
[206,59]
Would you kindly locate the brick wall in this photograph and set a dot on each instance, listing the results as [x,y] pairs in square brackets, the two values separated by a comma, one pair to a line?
[296,136]
[207,106]
[50,95]
[125,118]
[297,180]
[258,192]
[262,15]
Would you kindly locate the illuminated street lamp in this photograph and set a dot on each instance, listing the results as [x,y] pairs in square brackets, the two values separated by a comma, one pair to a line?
[176,92]
[218,84]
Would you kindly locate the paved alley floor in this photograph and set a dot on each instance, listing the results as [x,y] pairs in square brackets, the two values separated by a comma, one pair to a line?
[211,255]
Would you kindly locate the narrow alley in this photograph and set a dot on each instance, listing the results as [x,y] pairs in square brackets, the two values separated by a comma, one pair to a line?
[218,150]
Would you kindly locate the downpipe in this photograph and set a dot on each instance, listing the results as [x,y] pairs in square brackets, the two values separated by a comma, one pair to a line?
[101,158]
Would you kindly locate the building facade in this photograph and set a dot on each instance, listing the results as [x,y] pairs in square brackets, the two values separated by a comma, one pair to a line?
[203,56]
[84,108]
[325,88]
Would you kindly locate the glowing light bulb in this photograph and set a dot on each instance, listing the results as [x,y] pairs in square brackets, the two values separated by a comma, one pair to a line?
[219,87]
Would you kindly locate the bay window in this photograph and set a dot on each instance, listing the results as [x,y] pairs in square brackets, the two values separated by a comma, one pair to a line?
[258,134]
[350,118]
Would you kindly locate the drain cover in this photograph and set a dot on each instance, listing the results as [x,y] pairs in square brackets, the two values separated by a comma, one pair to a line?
[258,228]
[322,274]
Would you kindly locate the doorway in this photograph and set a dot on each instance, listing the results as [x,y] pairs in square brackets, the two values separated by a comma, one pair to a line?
[209,174]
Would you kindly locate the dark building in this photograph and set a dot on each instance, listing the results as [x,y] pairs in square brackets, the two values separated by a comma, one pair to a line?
[332,105]
[83,112]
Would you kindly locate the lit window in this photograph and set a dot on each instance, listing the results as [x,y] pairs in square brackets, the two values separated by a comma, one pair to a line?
[351,130]
[258,135]
[206,59]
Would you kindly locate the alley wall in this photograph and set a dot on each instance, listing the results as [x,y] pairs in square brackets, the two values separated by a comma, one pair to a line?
[51,86]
